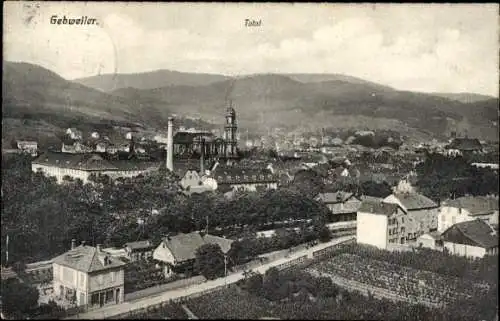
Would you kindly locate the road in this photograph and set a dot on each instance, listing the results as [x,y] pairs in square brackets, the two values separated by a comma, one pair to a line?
[124,307]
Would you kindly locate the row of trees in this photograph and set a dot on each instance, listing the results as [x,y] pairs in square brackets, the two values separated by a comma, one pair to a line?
[41,217]
[311,182]
[442,177]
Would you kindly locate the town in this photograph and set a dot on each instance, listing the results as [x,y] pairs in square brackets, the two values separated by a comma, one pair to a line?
[147,216]
[250,161]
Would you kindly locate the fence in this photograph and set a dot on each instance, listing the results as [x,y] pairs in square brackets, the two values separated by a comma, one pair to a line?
[161,305]
[292,263]
[328,251]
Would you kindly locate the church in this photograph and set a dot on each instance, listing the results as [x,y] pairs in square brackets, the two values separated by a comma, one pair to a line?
[193,144]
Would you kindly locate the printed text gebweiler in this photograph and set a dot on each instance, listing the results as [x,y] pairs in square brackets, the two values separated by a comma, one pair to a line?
[84,20]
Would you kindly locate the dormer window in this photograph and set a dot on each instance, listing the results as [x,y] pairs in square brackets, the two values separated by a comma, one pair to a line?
[237,178]
[254,177]
[229,177]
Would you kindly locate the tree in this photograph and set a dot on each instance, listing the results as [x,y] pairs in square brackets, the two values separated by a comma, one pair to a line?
[209,261]
[324,234]
[253,284]
[18,298]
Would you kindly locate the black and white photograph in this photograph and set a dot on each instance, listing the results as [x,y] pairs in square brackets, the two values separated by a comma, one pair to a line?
[211,160]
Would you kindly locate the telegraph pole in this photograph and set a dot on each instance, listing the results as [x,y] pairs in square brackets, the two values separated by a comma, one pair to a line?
[225,270]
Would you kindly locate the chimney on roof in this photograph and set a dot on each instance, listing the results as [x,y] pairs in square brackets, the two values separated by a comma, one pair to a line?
[170,144]
[99,248]
[73,243]
[83,243]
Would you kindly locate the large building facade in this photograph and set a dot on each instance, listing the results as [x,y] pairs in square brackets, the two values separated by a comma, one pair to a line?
[192,143]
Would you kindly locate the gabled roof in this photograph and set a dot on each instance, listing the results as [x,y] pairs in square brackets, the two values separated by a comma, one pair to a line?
[415,201]
[184,246]
[467,144]
[477,231]
[87,259]
[225,244]
[378,208]
[337,197]
[242,175]
[476,205]
[139,245]
[85,161]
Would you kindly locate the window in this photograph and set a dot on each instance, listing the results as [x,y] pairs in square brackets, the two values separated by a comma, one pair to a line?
[94,299]
[109,296]
[113,276]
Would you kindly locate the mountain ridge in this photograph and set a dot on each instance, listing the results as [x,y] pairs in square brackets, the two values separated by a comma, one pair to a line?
[261,100]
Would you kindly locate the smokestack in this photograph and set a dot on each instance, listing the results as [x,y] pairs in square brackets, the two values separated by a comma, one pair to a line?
[170,144]
[73,243]
[202,157]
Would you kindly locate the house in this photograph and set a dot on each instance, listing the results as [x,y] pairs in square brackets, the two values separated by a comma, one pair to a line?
[7,273]
[140,250]
[410,216]
[101,146]
[88,276]
[342,205]
[421,210]
[242,178]
[30,147]
[193,183]
[431,240]
[82,166]
[468,208]
[376,224]
[74,133]
[465,145]
[177,253]
[471,239]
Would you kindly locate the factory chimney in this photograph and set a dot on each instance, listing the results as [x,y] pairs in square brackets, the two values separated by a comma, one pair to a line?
[202,157]
[170,144]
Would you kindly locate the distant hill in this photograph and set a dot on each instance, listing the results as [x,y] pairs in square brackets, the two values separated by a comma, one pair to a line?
[262,101]
[37,101]
[464,97]
[148,80]
[277,100]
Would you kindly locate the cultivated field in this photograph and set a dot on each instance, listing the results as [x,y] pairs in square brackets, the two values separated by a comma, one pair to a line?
[419,285]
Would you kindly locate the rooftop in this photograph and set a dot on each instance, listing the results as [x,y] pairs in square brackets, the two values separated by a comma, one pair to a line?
[378,208]
[139,245]
[337,197]
[479,232]
[476,205]
[415,201]
[184,246]
[88,259]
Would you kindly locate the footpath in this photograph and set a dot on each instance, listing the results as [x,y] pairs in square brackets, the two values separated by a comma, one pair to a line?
[113,310]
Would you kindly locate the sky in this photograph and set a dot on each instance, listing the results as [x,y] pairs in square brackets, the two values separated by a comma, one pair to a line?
[429,48]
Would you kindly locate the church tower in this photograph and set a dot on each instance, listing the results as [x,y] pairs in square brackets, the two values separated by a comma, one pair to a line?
[230,129]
